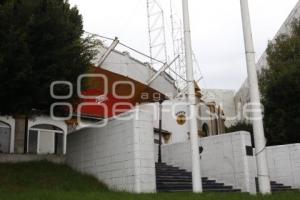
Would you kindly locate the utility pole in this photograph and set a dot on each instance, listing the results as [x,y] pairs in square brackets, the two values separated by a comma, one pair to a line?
[196,171]
[258,129]
[160,130]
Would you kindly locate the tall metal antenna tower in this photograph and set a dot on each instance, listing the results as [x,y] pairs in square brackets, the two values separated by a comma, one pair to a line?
[178,48]
[157,34]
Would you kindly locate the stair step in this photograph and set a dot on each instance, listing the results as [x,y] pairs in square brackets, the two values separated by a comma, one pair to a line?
[173,191]
[176,177]
[175,187]
[281,190]
[173,183]
[189,183]
[167,167]
[184,180]
[212,182]
[276,185]
[174,173]
[281,186]
[172,170]
[222,190]
[190,187]
[205,190]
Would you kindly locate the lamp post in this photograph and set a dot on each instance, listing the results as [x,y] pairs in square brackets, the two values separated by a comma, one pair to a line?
[160,131]
[258,129]
[196,172]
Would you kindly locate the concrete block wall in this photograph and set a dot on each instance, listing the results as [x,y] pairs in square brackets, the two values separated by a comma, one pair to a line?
[284,164]
[223,159]
[121,154]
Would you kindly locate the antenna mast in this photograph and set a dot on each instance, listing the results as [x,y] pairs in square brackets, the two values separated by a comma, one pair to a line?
[157,35]
[178,48]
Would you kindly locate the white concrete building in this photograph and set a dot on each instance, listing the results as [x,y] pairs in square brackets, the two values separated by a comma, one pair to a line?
[224,98]
[125,74]
[44,136]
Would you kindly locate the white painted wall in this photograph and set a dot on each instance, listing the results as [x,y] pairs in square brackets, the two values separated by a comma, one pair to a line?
[121,154]
[169,123]
[11,122]
[169,118]
[284,164]
[223,159]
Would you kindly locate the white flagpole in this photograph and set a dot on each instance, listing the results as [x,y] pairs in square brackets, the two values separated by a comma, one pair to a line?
[258,129]
[196,172]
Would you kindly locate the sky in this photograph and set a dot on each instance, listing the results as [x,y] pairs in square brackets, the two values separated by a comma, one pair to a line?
[216,26]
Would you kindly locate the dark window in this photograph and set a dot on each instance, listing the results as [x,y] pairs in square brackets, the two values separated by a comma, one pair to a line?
[33,142]
[201,149]
[205,130]
[59,139]
[249,151]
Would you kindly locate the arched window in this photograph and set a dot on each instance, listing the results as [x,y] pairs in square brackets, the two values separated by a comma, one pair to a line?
[45,139]
[5,132]
[205,129]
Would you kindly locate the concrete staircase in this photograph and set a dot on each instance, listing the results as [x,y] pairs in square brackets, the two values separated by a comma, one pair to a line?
[275,187]
[173,179]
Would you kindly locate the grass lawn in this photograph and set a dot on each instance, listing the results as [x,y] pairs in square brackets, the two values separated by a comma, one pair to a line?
[45,181]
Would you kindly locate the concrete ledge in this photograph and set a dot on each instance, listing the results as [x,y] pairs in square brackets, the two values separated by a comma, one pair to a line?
[17,158]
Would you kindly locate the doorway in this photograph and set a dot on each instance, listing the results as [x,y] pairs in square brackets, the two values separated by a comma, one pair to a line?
[45,139]
[5,136]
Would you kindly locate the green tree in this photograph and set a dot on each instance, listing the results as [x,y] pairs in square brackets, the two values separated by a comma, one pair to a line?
[41,42]
[280,88]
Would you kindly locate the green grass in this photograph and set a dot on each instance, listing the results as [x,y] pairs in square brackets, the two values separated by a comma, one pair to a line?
[45,181]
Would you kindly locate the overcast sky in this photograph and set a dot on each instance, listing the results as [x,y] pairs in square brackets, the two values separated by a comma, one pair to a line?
[216,30]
